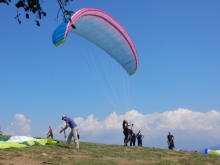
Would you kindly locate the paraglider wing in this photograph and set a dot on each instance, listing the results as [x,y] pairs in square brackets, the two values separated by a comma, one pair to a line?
[23,142]
[104,31]
[212,152]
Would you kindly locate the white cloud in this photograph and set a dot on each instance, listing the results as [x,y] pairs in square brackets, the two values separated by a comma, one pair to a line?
[186,125]
[192,130]
[20,126]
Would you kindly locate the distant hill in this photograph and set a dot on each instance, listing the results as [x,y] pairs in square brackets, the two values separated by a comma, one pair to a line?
[215,148]
[211,148]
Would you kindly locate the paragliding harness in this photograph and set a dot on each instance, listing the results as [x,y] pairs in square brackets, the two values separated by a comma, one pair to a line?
[170,142]
[127,132]
[171,145]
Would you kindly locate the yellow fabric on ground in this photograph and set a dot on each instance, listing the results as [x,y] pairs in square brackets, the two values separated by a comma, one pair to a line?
[28,143]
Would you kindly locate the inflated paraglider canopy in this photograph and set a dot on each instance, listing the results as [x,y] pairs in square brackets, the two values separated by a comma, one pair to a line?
[104,31]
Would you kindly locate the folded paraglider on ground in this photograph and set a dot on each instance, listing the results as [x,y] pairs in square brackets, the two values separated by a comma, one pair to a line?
[23,141]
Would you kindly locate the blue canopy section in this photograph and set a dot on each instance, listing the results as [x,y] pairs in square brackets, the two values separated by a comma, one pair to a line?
[59,34]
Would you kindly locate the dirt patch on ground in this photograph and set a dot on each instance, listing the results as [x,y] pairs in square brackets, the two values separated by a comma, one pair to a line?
[25,159]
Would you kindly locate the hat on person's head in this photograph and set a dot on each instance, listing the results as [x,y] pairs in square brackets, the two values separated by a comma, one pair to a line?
[63,117]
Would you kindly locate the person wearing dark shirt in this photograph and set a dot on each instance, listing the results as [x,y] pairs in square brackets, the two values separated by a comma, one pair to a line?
[133,138]
[73,133]
[170,141]
[125,132]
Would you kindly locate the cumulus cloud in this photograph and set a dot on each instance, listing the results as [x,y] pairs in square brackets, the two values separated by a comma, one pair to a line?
[187,126]
[191,129]
[20,126]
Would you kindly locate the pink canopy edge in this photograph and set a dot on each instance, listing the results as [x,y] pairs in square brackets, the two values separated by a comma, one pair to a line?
[116,25]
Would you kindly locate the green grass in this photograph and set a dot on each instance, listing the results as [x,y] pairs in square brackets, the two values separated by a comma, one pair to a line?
[99,154]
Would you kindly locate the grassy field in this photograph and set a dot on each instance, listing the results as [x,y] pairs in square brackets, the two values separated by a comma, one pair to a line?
[100,154]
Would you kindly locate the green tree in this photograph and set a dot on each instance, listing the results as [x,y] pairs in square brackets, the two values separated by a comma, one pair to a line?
[35,7]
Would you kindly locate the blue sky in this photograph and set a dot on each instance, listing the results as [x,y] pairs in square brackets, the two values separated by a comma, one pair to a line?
[175,89]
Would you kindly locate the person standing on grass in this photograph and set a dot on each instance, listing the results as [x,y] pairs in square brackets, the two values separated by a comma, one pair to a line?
[50,133]
[140,136]
[133,138]
[73,133]
[170,141]
[124,123]
[125,132]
